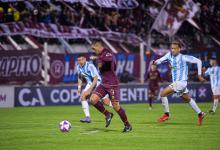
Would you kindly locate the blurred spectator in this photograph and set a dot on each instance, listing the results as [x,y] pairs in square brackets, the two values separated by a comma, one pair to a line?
[1,14]
[126,77]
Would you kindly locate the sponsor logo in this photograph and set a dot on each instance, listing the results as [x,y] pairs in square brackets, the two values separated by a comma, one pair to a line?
[27,98]
[20,65]
[57,69]
[3,97]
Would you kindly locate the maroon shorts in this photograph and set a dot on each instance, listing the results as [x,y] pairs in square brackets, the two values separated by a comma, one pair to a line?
[112,91]
[153,91]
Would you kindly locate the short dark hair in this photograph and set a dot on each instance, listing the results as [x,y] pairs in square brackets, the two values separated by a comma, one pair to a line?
[175,42]
[81,55]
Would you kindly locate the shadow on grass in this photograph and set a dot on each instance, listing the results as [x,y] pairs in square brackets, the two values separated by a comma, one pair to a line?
[166,123]
[101,129]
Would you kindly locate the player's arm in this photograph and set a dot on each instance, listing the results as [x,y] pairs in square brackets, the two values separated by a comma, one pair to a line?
[162,59]
[198,62]
[79,84]
[207,72]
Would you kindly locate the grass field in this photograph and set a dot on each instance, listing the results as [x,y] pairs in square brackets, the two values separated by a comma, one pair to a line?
[36,128]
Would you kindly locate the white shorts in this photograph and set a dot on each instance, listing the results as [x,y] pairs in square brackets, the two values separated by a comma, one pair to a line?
[180,87]
[216,90]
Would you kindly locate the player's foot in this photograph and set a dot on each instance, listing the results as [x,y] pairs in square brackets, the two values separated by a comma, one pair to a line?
[127,129]
[163,118]
[200,118]
[211,112]
[108,119]
[86,120]
[150,108]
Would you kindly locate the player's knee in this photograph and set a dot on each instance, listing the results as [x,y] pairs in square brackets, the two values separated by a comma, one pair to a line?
[116,105]
[162,94]
[94,99]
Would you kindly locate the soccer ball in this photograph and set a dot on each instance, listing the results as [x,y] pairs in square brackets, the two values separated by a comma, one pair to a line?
[65,126]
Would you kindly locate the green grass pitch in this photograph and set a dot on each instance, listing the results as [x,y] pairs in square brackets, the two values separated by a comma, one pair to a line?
[36,128]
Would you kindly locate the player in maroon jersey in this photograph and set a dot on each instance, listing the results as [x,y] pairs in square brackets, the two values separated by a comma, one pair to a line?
[153,78]
[109,85]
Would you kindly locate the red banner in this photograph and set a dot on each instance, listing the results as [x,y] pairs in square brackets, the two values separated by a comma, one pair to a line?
[20,66]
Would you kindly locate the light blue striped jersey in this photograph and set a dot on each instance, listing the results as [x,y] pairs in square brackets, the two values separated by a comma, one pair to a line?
[214,74]
[179,65]
[88,71]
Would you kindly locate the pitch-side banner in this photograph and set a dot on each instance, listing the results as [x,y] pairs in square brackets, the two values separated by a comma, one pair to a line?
[68,32]
[119,4]
[63,67]
[45,96]
[6,96]
[173,14]
[20,66]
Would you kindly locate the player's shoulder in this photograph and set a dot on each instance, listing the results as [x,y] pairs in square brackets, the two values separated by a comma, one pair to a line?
[91,65]
[77,66]
[188,57]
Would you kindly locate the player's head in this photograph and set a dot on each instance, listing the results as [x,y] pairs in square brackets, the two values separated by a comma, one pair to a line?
[175,48]
[97,47]
[213,61]
[81,58]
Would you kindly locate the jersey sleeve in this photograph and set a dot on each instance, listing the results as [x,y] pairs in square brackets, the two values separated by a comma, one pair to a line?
[77,69]
[93,70]
[163,59]
[194,60]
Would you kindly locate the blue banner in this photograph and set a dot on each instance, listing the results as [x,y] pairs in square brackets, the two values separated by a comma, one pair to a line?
[67,95]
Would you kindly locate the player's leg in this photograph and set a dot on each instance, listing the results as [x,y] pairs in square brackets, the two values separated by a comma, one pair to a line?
[150,98]
[97,94]
[114,95]
[163,95]
[85,106]
[194,106]
[216,97]
[106,101]
[215,104]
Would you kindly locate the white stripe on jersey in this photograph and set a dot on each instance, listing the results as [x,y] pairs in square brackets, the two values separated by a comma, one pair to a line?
[179,66]
[88,71]
[214,74]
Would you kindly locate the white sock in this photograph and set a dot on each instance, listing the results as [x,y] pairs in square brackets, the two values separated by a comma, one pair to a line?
[194,106]
[215,104]
[110,104]
[165,104]
[85,107]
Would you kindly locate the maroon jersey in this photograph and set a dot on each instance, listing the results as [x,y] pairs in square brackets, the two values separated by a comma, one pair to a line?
[153,79]
[107,68]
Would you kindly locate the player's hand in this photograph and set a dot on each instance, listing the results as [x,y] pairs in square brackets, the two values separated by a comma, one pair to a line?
[154,63]
[79,92]
[201,79]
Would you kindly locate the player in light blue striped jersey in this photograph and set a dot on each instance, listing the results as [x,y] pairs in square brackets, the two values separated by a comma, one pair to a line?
[89,72]
[214,73]
[179,70]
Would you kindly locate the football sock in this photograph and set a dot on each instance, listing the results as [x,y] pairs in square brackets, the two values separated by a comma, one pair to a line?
[150,102]
[123,116]
[215,105]
[101,108]
[165,104]
[110,104]
[85,107]
[194,106]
